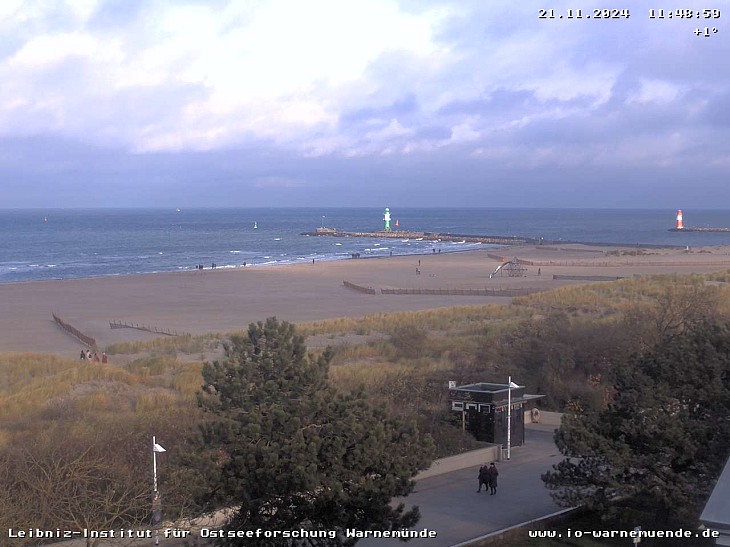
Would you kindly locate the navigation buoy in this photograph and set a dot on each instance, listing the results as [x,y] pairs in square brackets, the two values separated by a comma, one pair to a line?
[679,225]
[396,222]
[255,225]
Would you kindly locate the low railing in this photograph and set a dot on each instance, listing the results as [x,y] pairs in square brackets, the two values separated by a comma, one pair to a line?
[464,292]
[156,330]
[360,288]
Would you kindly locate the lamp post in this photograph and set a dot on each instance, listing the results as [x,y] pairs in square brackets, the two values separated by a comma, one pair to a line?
[156,500]
[322,221]
[510,386]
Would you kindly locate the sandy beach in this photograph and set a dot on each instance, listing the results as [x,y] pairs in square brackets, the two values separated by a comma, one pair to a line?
[220,300]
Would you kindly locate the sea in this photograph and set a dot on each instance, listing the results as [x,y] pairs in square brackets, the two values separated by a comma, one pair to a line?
[43,244]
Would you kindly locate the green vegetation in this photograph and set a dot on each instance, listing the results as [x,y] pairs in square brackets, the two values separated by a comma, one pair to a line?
[664,433]
[292,454]
[568,344]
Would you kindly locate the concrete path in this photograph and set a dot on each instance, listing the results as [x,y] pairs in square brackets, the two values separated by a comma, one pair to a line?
[451,507]
[449,504]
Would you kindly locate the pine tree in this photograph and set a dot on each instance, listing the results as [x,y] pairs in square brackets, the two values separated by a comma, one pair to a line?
[662,442]
[294,455]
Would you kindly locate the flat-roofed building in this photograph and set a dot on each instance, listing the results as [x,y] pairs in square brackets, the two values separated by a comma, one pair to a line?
[484,410]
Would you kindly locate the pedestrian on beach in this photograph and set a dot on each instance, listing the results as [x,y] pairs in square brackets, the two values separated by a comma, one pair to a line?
[492,474]
[483,477]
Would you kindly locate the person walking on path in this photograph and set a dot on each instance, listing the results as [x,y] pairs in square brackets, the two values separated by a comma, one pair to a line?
[83,355]
[492,474]
[104,358]
[483,477]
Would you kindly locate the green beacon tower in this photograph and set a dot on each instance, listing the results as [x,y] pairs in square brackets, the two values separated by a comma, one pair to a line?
[386,219]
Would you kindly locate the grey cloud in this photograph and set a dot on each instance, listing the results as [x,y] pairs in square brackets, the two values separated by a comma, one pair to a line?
[717,110]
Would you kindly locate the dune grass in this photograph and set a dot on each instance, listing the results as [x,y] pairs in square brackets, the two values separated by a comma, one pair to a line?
[417,349]
[41,392]
[169,345]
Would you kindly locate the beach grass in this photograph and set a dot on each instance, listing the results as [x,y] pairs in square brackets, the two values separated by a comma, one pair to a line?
[405,363]
[40,391]
[169,345]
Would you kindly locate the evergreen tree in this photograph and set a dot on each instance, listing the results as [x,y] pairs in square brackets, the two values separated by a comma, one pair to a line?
[291,454]
[662,442]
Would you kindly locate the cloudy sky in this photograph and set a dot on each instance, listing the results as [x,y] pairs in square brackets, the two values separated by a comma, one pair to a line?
[119,103]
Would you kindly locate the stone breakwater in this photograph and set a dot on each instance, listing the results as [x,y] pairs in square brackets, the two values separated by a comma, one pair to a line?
[699,229]
[428,236]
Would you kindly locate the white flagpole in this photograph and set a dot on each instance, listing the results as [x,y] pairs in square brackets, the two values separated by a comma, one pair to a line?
[155,494]
[154,465]
[509,415]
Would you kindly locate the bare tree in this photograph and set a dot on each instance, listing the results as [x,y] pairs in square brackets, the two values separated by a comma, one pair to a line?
[54,485]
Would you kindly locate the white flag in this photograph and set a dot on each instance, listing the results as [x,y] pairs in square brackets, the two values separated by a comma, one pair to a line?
[157,448]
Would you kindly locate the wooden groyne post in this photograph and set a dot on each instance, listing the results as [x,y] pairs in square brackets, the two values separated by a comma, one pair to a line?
[76,333]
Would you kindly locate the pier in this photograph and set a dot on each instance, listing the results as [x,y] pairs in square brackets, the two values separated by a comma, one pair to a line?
[699,229]
[679,226]
[429,236]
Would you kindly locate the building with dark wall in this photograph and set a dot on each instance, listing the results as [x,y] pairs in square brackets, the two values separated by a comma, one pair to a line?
[483,407]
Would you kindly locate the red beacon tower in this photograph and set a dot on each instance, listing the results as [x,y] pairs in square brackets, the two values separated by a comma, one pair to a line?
[679,225]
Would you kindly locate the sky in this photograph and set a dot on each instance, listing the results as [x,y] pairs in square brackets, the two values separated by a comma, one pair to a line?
[423,103]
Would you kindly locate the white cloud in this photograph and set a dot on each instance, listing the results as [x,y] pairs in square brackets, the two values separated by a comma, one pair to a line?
[655,91]
[10,8]
[463,133]
[82,9]
[51,49]
[269,69]
[565,83]
[334,77]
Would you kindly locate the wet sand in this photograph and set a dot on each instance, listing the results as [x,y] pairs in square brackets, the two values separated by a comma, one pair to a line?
[225,300]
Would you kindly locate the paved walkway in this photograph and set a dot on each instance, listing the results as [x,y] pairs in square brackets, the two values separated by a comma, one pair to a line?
[451,507]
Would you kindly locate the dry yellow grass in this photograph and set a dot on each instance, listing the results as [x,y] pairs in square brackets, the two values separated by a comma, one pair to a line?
[34,384]
[42,391]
